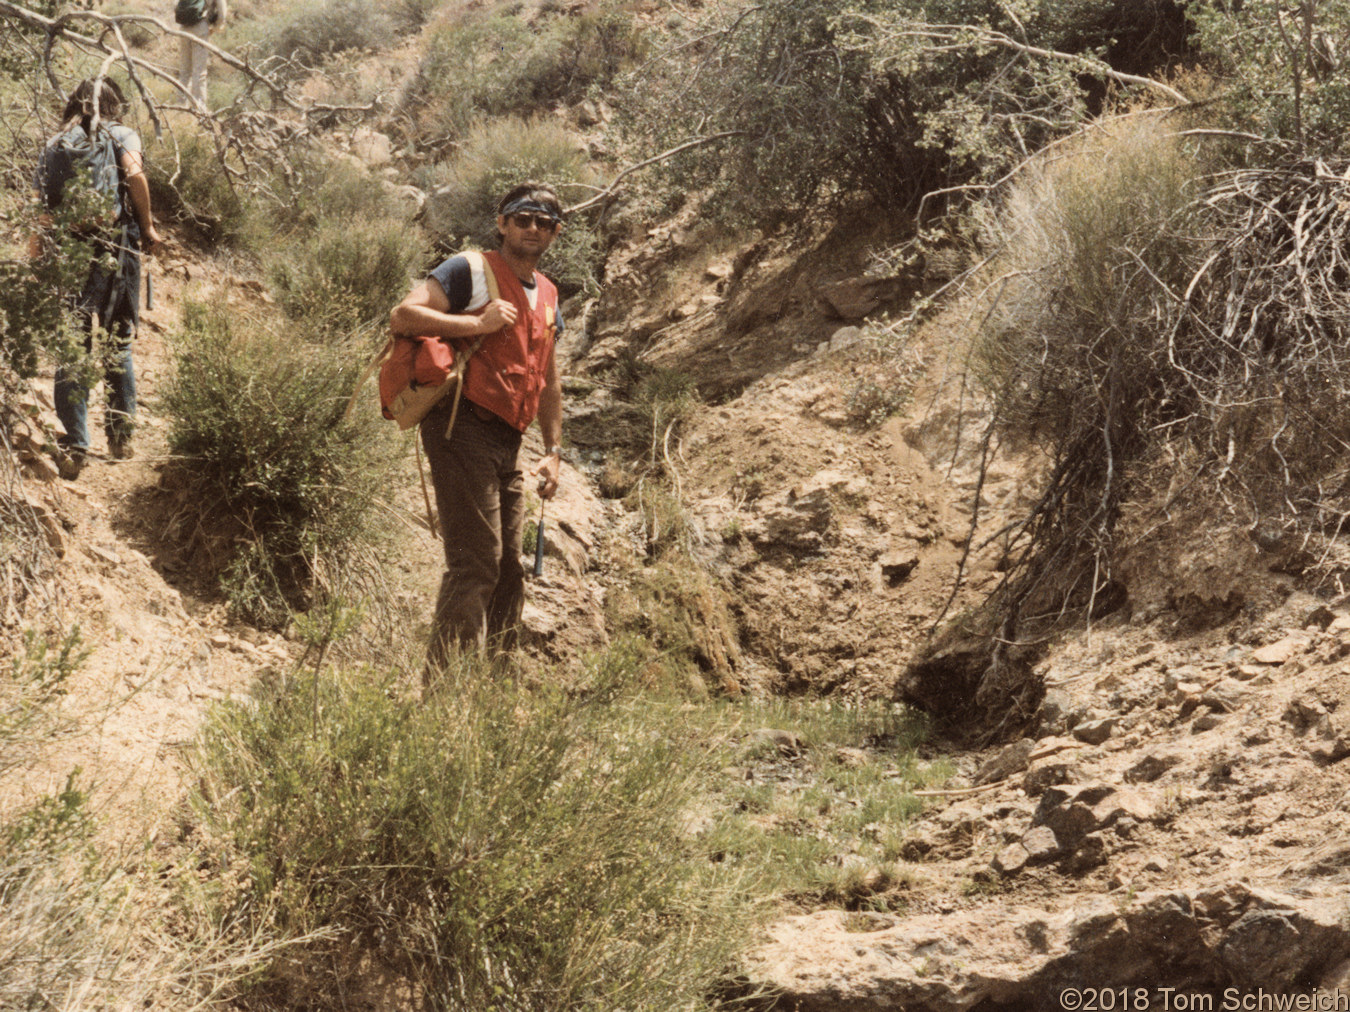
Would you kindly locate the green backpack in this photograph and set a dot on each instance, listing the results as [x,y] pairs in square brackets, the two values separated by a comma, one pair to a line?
[189,12]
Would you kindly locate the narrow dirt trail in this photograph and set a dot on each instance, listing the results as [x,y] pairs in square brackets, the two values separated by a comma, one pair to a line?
[161,647]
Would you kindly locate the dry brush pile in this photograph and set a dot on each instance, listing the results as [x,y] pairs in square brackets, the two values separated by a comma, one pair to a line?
[1171,337]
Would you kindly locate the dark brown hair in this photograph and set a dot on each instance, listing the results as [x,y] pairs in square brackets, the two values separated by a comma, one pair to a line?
[80,105]
[540,193]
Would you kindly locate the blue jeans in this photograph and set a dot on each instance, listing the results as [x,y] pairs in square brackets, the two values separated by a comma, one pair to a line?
[72,397]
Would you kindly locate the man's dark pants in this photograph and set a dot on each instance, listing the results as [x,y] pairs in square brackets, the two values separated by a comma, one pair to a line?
[480,497]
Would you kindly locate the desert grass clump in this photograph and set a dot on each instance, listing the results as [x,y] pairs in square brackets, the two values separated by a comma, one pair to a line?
[271,459]
[496,155]
[54,917]
[1074,359]
[58,912]
[345,276]
[304,35]
[494,846]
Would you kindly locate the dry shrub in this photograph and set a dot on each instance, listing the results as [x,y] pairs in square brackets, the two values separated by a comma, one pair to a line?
[1164,336]
[80,927]
[1070,353]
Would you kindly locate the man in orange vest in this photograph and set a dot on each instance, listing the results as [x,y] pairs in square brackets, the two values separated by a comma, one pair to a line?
[480,489]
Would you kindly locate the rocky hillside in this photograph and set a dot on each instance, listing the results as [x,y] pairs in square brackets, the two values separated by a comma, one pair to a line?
[1162,832]
[1171,822]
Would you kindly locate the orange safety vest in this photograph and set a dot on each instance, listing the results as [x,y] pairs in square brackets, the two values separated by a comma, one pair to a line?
[507,374]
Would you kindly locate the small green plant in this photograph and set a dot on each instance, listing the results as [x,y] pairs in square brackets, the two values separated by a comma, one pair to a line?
[35,682]
[489,841]
[985,882]
[52,822]
[347,274]
[885,382]
[666,398]
[260,418]
[495,156]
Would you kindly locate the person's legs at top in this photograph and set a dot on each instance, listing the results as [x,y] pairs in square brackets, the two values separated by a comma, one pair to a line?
[193,60]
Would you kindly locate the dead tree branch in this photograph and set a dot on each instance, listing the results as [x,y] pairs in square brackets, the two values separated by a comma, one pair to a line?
[697,142]
[119,51]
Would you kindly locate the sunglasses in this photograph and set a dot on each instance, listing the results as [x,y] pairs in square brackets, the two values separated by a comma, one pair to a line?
[541,222]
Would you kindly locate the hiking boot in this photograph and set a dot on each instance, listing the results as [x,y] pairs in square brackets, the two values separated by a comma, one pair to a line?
[120,449]
[69,462]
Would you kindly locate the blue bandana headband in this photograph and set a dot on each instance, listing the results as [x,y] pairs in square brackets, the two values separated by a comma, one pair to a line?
[531,207]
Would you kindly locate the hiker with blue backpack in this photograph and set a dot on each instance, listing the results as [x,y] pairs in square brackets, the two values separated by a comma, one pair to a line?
[94,149]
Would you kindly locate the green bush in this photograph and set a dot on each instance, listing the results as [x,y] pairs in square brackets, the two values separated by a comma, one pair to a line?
[824,98]
[1280,70]
[321,189]
[494,66]
[338,250]
[346,275]
[471,70]
[36,323]
[583,53]
[494,847]
[309,32]
[189,186]
[259,416]
[410,15]
[494,157]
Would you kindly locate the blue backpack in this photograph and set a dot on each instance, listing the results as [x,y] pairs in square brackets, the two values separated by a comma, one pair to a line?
[69,153]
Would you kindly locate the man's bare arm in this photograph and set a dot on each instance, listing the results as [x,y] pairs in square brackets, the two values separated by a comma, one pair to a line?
[425,312]
[138,192]
[550,425]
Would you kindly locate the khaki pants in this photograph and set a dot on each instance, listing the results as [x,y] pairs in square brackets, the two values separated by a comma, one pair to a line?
[480,497]
[193,61]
